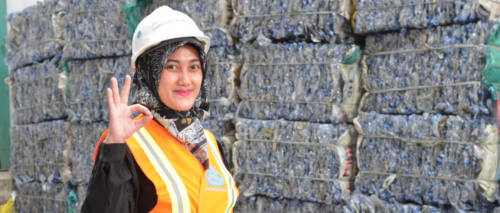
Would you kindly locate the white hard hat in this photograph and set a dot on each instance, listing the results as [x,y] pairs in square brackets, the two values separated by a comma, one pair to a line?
[164,24]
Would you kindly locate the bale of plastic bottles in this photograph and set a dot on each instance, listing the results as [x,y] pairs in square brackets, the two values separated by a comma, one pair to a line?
[33,36]
[39,166]
[435,70]
[37,92]
[300,82]
[278,20]
[377,16]
[303,161]
[429,155]
[94,29]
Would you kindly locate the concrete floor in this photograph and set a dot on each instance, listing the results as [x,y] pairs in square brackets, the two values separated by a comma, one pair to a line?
[6,186]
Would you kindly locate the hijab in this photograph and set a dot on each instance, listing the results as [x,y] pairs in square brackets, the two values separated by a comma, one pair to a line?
[185,126]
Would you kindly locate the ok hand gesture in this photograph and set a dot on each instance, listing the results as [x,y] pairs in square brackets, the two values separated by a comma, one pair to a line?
[121,125]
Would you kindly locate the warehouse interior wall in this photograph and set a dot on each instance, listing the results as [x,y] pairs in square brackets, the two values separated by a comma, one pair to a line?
[19,5]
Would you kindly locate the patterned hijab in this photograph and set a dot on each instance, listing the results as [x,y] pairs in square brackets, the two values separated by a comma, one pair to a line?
[184,125]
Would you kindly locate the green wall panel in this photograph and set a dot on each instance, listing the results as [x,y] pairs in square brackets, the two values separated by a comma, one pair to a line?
[4,94]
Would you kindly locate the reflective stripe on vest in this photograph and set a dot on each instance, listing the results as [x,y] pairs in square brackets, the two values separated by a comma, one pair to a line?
[174,184]
[231,186]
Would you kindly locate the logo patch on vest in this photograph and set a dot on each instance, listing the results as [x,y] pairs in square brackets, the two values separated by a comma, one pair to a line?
[214,178]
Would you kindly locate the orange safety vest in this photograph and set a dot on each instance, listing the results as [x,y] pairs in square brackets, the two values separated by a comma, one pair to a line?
[181,182]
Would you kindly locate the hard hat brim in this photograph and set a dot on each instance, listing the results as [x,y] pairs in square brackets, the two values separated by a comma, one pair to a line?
[204,39]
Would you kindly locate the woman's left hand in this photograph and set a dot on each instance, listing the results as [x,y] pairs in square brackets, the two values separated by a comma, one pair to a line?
[121,125]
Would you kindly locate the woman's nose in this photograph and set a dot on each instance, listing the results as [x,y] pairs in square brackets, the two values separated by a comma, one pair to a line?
[184,78]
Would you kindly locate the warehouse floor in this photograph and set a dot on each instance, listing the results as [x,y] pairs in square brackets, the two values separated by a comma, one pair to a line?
[6,184]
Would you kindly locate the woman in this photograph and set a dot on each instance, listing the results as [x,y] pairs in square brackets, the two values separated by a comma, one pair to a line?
[163,160]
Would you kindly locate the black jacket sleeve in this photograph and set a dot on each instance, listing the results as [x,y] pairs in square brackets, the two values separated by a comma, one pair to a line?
[113,186]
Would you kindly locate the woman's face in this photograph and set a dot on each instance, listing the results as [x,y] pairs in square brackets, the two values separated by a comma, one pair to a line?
[181,79]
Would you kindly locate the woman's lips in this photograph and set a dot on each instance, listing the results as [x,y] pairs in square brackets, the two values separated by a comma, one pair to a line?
[183,92]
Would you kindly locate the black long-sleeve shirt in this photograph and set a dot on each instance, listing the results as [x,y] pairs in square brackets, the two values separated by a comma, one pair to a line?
[119,185]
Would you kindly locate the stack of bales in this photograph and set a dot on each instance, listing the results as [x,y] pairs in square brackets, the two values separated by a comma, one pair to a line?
[299,88]
[427,124]
[39,135]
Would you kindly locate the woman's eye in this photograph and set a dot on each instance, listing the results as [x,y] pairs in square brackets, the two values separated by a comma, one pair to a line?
[195,67]
[171,67]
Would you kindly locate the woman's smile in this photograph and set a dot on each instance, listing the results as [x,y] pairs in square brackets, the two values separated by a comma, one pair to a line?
[184,93]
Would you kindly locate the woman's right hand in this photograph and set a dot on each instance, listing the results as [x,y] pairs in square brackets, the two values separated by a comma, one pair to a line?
[121,125]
